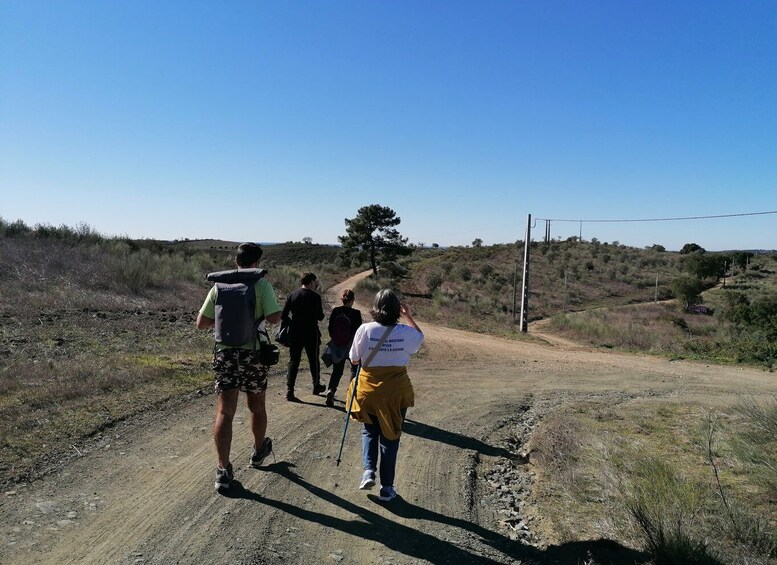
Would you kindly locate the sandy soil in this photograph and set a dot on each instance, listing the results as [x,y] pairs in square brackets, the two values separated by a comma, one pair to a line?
[145,494]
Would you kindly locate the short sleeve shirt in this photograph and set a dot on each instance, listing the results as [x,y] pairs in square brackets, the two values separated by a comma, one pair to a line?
[402,342]
[266,304]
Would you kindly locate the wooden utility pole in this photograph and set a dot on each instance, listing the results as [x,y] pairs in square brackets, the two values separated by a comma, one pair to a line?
[515,287]
[525,285]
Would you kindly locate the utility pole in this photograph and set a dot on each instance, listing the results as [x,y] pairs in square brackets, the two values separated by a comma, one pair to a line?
[515,287]
[525,285]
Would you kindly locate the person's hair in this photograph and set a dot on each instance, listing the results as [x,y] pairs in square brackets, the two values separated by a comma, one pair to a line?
[307,278]
[347,296]
[385,311]
[248,254]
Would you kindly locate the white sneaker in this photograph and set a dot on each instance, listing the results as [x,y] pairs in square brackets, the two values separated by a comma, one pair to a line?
[368,480]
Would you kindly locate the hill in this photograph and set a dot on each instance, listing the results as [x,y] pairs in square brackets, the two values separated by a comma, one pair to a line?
[604,294]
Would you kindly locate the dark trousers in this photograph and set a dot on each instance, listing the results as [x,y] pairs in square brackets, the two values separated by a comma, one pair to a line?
[337,373]
[295,355]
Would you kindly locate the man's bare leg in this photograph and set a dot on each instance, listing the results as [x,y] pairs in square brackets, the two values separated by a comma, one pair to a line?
[226,405]
[256,406]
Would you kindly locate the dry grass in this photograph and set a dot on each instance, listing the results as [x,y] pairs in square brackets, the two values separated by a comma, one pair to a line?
[638,470]
[95,331]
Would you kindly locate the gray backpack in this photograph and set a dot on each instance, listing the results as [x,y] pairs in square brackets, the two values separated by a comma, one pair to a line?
[236,305]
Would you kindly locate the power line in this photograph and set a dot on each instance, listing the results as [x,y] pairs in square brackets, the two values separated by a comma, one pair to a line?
[658,219]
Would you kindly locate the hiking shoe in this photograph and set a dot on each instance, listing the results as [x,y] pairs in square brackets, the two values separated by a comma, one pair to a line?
[386,494]
[258,457]
[368,480]
[290,396]
[224,478]
[318,388]
[330,399]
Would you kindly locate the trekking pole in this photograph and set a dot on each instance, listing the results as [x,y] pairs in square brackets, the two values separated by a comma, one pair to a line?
[366,362]
[348,414]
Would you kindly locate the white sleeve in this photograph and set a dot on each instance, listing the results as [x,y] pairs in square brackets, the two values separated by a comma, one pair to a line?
[359,345]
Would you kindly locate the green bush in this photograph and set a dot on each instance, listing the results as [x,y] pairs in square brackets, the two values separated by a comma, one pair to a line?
[665,508]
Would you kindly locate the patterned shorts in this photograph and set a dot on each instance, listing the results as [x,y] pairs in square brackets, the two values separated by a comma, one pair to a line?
[239,369]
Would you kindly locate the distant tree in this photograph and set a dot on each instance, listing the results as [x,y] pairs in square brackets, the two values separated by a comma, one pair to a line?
[435,245]
[657,247]
[307,240]
[477,242]
[371,236]
[704,265]
[741,258]
[692,248]
[687,289]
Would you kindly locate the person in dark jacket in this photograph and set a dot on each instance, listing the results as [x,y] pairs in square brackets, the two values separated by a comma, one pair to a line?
[303,310]
[340,350]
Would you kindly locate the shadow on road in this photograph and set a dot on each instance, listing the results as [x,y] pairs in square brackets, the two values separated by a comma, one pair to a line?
[419,429]
[415,543]
[370,525]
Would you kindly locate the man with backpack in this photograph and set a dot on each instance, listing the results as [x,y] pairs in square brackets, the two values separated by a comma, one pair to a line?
[343,323]
[237,307]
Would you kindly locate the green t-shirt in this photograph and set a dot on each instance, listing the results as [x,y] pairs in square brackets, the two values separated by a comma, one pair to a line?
[266,304]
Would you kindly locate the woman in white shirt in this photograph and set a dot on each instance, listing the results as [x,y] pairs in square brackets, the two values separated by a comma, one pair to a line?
[383,388]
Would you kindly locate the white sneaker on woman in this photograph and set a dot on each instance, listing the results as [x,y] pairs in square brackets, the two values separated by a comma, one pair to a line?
[368,480]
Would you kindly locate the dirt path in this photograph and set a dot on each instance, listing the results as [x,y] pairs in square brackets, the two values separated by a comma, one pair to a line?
[146,494]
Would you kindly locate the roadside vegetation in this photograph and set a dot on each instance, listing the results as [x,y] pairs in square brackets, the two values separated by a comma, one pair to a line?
[94,329]
[681,482]
[736,324]
[719,307]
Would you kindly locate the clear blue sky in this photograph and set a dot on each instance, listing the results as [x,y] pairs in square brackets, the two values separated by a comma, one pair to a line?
[273,121]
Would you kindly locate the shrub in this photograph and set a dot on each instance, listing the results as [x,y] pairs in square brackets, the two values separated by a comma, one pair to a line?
[665,508]
[687,289]
[434,281]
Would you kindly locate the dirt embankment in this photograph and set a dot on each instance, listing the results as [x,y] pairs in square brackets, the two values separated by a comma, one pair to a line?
[144,494]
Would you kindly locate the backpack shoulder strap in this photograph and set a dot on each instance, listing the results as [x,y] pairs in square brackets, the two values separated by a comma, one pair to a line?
[377,347]
[235,276]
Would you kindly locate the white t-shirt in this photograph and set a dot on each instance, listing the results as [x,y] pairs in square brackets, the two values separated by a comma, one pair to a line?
[401,343]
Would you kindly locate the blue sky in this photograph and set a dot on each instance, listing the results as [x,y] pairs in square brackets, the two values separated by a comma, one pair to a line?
[274,121]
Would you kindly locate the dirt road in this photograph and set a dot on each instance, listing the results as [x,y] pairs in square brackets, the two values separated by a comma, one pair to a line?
[145,493]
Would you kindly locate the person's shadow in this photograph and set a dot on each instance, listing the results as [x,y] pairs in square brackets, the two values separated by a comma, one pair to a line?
[421,430]
[371,525]
[420,545]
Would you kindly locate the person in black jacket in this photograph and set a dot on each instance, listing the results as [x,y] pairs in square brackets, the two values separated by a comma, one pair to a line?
[340,344]
[303,310]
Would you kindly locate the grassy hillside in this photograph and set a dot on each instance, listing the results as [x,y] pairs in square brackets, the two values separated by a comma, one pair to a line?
[290,253]
[604,294]
[472,287]
[94,329]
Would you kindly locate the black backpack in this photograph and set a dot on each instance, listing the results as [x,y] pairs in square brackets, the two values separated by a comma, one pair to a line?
[341,330]
[236,305]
